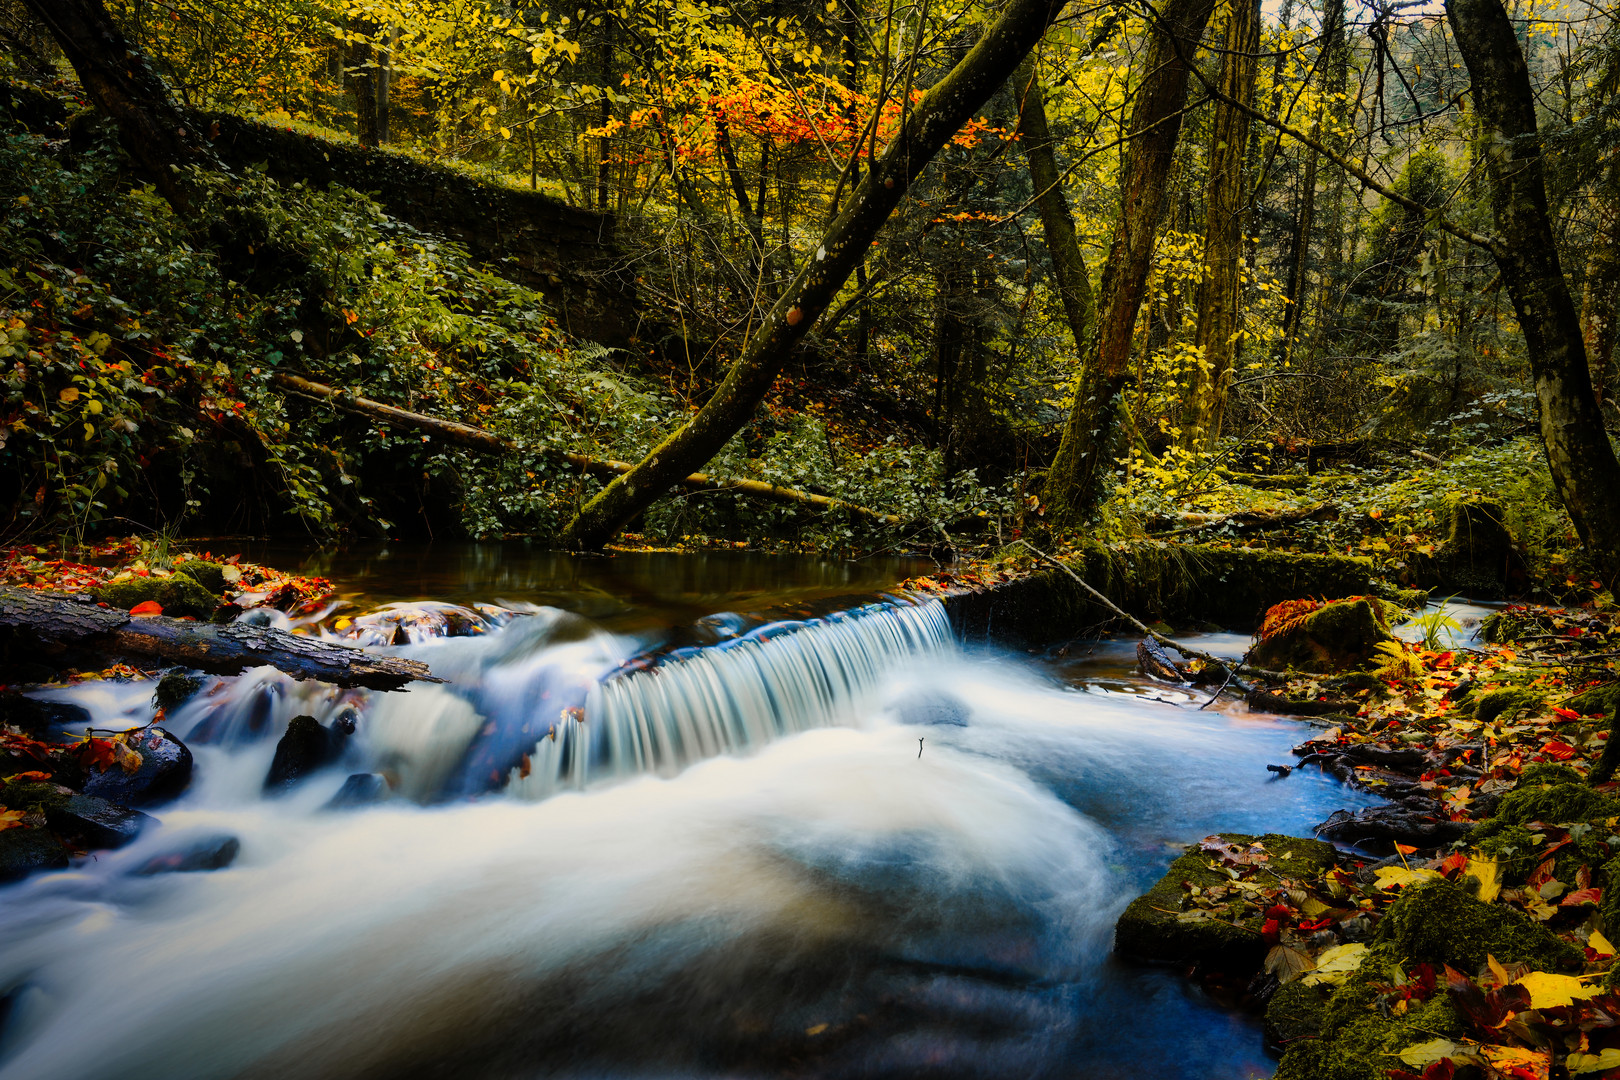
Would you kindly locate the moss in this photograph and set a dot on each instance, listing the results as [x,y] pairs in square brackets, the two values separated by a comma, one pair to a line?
[1561,803]
[1364,1046]
[1439,922]
[1408,599]
[1598,701]
[1332,638]
[1487,707]
[1548,772]
[1500,628]
[210,575]
[179,594]
[1151,928]
[175,689]
[1296,1011]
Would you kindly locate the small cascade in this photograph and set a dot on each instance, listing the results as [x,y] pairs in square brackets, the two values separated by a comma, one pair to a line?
[776,680]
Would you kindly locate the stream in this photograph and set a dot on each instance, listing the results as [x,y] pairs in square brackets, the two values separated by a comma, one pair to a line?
[721,815]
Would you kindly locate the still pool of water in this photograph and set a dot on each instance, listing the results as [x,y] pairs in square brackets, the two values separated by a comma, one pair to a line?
[831,847]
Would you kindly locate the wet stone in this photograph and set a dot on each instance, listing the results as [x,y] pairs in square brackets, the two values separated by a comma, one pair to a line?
[205,853]
[304,748]
[164,773]
[360,789]
[93,822]
[24,850]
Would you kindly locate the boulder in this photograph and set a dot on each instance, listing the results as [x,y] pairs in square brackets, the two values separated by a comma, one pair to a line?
[203,853]
[164,773]
[1327,639]
[83,820]
[305,747]
[1163,927]
[360,789]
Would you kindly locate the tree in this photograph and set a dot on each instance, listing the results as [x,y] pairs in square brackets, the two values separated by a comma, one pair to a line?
[1074,483]
[928,126]
[1582,461]
[1225,216]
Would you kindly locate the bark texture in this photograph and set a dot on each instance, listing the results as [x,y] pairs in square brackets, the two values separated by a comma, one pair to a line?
[1074,484]
[57,624]
[1601,296]
[1579,455]
[928,127]
[1227,199]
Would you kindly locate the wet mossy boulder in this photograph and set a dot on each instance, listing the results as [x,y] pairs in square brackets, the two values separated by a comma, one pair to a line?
[25,849]
[1479,558]
[1296,1011]
[83,820]
[1563,803]
[1486,708]
[210,575]
[1163,927]
[1335,637]
[1442,923]
[179,594]
[163,774]
[1436,922]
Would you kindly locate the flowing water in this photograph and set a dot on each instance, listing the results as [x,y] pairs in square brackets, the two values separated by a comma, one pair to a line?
[808,844]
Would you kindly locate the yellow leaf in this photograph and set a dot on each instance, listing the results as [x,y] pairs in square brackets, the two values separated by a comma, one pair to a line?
[1548,991]
[1488,872]
[1391,876]
[1601,946]
[506,133]
[11,819]
[1498,970]
[1427,1053]
[1580,1064]
[1536,1063]
[68,396]
[1335,965]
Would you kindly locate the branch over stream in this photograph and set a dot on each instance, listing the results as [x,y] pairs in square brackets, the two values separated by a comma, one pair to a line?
[489,442]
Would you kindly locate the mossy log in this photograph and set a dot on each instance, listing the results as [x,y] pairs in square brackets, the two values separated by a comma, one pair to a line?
[41,625]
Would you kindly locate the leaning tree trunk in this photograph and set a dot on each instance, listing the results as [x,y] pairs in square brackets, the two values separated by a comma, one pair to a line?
[943,109]
[1068,265]
[121,83]
[1074,483]
[1581,460]
[1225,215]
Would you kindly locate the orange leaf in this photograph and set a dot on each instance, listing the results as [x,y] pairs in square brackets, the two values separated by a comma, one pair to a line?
[147,607]
[11,819]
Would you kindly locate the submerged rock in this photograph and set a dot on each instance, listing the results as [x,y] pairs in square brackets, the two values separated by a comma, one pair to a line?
[204,853]
[304,748]
[164,773]
[933,707]
[360,789]
[1334,637]
[1163,927]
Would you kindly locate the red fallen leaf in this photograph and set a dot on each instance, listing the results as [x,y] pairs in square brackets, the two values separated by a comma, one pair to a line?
[1582,896]
[1319,924]
[147,607]
[1270,932]
[1438,1070]
[32,774]
[1453,864]
[96,753]
[1567,714]
[1560,750]
[1279,912]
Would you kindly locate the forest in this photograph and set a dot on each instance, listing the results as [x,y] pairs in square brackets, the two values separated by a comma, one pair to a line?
[984,273]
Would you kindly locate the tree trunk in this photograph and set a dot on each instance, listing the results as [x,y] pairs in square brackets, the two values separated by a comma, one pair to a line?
[1226,214]
[1581,460]
[935,119]
[65,626]
[1074,483]
[122,84]
[1068,264]
[362,71]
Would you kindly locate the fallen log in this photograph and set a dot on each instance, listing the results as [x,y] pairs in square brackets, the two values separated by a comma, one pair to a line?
[46,624]
[1247,520]
[479,439]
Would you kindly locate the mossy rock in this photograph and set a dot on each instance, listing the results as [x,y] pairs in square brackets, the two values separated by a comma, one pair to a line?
[1357,1043]
[1487,707]
[1598,701]
[1153,928]
[1408,599]
[179,594]
[1479,556]
[1562,803]
[1500,628]
[1333,638]
[1442,923]
[175,689]
[1296,1011]
[210,575]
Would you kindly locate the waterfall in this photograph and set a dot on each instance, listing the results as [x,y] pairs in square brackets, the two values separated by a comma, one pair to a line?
[778,679]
